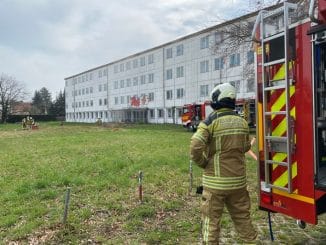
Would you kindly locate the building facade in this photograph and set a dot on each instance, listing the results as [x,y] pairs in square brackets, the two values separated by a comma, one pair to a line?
[152,86]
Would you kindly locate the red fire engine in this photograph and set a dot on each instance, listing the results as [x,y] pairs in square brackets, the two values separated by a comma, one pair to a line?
[193,114]
[291,110]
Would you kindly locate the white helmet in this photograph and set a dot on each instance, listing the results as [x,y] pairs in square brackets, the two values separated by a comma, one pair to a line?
[223,96]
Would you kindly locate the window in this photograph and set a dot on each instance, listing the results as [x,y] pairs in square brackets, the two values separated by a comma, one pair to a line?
[180,50]
[250,57]
[152,113]
[91,102]
[250,85]
[179,93]
[128,82]
[168,74]
[87,90]
[122,83]
[79,92]
[203,90]
[105,101]
[204,66]
[151,59]
[218,63]
[160,113]
[83,78]
[180,112]
[151,78]
[128,99]
[91,76]
[234,60]
[218,37]
[204,42]
[100,73]
[116,69]
[105,87]
[170,112]
[87,103]
[116,100]
[91,90]
[179,71]
[135,81]
[128,65]
[142,79]
[135,63]
[169,94]
[116,84]
[169,53]
[83,103]
[151,96]
[83,91]
[236,84]
[122,67]
[100,102]
[105,72]
[142,61]
[100,87]
[122,100]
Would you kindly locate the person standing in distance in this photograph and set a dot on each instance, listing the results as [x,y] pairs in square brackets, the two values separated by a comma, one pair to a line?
[219,147]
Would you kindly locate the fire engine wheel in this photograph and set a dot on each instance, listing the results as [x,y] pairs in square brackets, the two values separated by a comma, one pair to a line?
[301,224]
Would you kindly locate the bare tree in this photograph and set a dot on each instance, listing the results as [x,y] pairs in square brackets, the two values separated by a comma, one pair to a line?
[234,36]
[10,91]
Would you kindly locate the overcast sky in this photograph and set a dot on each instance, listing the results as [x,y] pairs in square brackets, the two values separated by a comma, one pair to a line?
[44,41]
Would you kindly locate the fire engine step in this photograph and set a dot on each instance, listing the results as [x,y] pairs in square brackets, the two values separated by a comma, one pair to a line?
[269,113]
[279,11]
[276,138]
[279,187]
[281,86]
[274,62]
[280,34]
[285,164]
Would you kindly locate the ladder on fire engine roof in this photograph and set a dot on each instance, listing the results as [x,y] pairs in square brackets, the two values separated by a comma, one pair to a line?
[277,143]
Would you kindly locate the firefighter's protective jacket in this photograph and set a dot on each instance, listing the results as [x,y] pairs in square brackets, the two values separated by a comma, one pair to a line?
[219,147]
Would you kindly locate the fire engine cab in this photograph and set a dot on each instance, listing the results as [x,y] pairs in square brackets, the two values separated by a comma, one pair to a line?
[193,114]
[291,110]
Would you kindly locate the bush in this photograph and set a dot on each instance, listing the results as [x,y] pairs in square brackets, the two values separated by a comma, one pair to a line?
[37,118]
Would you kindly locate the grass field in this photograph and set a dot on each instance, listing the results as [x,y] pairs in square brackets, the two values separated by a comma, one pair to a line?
[101,165]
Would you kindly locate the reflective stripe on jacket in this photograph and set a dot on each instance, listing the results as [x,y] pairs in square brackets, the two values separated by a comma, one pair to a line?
[219,146]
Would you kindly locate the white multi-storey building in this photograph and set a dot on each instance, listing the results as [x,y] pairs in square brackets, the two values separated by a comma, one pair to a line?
[153,85]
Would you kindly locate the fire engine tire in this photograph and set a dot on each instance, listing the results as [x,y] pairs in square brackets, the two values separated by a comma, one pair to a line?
[301,224]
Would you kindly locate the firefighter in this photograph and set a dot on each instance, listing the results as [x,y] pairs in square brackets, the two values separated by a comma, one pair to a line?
[219,147]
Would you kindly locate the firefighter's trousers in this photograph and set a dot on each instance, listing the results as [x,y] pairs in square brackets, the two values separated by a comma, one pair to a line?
[238,204]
